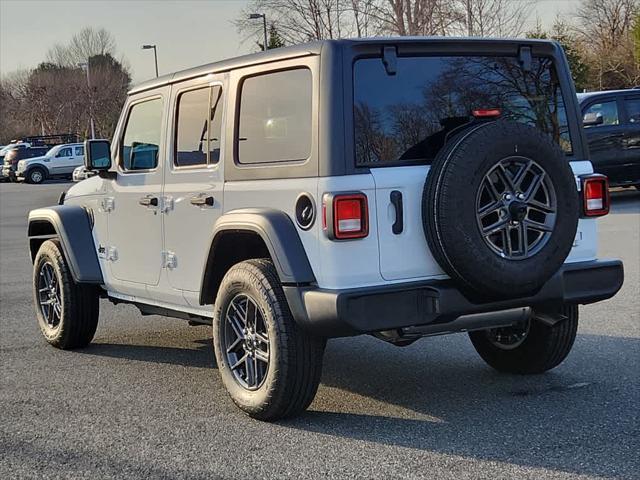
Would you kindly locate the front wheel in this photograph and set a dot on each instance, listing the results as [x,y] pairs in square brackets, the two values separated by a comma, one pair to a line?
[67,312]
[36,175]
[270,367]
[530,347]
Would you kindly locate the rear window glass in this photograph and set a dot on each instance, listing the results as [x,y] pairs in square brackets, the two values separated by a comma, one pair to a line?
[275,117]
[406,117]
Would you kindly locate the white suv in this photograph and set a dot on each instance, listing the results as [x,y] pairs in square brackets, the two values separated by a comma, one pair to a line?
[396,187]
[59,161]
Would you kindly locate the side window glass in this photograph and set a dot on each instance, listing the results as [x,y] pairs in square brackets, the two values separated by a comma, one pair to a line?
[141,140]
[64,152]
[633,109]
[80,151]
[605,113]
[275,117]
[192,126]
[215,124]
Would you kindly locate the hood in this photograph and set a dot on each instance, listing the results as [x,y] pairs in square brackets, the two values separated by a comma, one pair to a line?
[34,159]
[90,186]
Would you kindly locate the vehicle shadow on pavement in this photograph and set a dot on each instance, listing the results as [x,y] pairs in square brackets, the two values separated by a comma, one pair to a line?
[443,399]
[200,357]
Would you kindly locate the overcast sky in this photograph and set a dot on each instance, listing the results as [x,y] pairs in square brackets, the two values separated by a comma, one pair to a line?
[187,33]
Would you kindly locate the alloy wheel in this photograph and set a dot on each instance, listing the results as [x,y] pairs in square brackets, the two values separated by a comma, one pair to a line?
[246,342]
[516,208]
[49,296]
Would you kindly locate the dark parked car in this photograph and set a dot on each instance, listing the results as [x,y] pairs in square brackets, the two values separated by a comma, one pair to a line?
[612,127]
[13,156]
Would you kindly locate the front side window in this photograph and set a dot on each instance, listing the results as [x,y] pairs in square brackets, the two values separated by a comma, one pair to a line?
[275,117]
[406,117]
[80,151]
[141,140]
[606,113]
[64,152]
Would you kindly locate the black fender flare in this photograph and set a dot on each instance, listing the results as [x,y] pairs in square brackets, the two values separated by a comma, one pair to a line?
[71,225]
[279,234]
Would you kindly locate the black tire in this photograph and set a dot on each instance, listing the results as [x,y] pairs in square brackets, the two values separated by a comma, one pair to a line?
[36,175]
[79,305]
[295,357]
[544,346]
[449,210]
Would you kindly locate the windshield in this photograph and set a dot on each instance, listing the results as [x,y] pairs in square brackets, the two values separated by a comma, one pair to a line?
[407,116]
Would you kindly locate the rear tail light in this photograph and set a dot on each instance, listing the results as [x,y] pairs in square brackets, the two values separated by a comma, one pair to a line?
[486,113]
[345,216]
[595,195]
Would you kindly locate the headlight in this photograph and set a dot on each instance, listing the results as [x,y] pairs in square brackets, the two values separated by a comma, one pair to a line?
[21,165]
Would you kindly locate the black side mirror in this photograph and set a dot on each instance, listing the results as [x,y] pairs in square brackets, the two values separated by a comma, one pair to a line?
[97,155]
[592,119]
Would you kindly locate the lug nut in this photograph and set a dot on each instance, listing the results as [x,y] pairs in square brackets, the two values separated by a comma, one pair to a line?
[507,196]
[520,196]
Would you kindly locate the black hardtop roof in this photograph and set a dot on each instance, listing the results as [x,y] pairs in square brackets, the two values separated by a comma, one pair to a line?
[314,48]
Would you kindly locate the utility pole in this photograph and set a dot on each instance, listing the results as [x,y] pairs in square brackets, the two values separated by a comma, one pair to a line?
[469,19]
[85,67]
[254,16]
[155,55]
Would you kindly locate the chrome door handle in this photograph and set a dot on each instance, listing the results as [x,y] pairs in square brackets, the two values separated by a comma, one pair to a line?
[202,200]
[148,201]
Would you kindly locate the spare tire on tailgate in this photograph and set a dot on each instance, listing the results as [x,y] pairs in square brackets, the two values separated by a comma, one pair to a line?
[500,209]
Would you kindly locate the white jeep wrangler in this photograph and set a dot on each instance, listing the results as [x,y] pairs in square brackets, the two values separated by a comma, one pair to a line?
[397,187]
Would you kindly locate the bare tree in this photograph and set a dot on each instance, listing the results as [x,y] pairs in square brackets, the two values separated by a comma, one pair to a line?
[303,20]
[300,21]
[417,17]
[83,45]
[605,31]
[495,18]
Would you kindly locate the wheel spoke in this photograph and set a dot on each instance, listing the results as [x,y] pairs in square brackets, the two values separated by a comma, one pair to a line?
[541,207]
[490,208]
[522,173]
[250,314]
[506,178]
[492,189]
[495,227]
[239,362]
[250,367]
[262,337]
[57,309]
[533,188]
[523,239]
[235,343]
[262,356]
[537,226]
[508,245]
[242,315]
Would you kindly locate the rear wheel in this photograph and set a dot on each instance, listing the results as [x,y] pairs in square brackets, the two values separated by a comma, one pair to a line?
[36,175]
[530,347]
[67,312]
[270,367]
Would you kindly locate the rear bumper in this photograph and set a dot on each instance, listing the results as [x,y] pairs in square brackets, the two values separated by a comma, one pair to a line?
[336,313]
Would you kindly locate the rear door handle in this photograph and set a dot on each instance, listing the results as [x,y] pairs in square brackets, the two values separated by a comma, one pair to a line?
[148,201]
[202,200]
[396,201]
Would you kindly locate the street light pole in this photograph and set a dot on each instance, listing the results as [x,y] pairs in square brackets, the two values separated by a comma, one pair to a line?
[254,16]
[85,67]
[155,55]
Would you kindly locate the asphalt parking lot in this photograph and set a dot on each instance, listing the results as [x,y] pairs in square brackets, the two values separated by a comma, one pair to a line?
[145,400]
